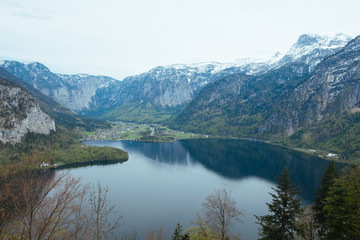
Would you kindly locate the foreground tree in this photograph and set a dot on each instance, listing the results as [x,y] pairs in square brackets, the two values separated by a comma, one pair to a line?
[326,183]
[220,211]
[178,233]
[285,210]
[100,212]
[342,207]
[48,205]
[201,229]
[43,204]
[155,234]
[309,227]
[129,236]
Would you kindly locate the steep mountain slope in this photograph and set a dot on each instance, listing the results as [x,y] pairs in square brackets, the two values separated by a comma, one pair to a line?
[27,133]
[312,48]
[157,92]
[62,115]
[278,102]
[235,105]
[163,91]
[72,91]
[332,89]
[20,114]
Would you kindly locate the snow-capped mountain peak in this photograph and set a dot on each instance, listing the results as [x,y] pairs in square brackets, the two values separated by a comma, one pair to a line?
[312,48]
[307,43]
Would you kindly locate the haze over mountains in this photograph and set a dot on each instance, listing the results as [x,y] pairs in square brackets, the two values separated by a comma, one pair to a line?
[317,80]
[279,101]
[162,92]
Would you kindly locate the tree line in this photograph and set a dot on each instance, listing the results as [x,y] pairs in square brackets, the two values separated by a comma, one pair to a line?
[49,205]
[334,215]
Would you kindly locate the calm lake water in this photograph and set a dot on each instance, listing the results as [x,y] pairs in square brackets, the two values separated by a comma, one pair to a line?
[165,183]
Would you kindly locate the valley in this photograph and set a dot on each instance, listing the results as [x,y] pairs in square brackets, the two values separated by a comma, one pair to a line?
[297,99]
[139,132]
[179,120]
[180,128]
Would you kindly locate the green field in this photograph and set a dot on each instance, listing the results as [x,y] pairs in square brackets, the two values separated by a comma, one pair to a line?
[140,132]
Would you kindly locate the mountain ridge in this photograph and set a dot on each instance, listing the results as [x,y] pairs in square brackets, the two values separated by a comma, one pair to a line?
[72,91]
[281,102]
[163,91]
[64,117]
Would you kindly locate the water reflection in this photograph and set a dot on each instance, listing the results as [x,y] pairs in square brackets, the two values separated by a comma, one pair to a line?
[159,176]
[237,159]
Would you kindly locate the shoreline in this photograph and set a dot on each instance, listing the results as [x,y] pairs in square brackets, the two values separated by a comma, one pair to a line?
[319,153]
[157,133]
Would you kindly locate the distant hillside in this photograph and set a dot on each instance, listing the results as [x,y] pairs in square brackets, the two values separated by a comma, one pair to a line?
[20,114]
[29,136]
[160,93]
[235,105]
[163,91]
[72,91]
[286,101]
[62,115]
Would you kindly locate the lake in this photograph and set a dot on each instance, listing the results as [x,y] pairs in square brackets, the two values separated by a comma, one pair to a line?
[165,183]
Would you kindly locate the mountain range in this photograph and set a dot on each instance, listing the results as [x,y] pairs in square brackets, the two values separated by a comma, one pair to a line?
[291,101]
[290,98]
[162,92]
[282,99]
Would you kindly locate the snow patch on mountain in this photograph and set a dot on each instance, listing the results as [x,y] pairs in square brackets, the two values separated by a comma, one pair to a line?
[312,48]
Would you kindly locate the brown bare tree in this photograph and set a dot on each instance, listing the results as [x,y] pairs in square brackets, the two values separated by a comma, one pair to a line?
[100,214]
[48,205]
[308,223]
[129,236]
[42,203]
[220,211]
[155,234]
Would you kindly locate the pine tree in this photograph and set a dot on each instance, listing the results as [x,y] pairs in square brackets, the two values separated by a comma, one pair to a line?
[342,207]
[178,233]
[285,209]
[326,183]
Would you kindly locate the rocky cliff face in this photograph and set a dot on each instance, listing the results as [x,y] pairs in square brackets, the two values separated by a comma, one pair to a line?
[163,88]
[333,88]
[278,102]
[72,91]
[175,85]
[20,114]
[311,49]
[63,116]
[83,88]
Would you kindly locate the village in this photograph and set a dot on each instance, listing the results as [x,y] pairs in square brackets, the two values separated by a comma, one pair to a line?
[140,132]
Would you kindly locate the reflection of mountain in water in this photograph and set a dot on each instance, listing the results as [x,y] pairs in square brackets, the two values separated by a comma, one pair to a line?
[236,159]
[168,152]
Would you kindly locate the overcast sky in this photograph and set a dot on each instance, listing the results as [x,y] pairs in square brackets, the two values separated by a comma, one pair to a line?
[120,38]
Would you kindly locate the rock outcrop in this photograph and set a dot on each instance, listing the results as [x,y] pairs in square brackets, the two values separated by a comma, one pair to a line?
[20,114]
[278,102]
[72,91]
